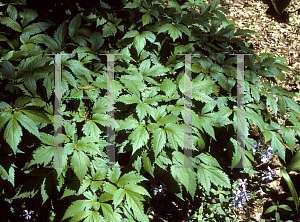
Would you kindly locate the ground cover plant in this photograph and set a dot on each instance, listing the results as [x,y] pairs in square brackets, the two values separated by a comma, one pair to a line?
[149,113]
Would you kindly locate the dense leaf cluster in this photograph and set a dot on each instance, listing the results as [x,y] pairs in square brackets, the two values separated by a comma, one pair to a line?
[149,106]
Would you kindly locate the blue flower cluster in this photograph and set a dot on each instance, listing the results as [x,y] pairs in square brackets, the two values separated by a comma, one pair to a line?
[269,176]
[240,195]
[267,155]
[255,146]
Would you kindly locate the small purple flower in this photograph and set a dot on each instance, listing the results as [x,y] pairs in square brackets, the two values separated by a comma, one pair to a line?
[253,150]
[27,214]
[267,178]
[261,191]
[270,149]
[243,183]
[159,189]
[265,157]
[240,196]
[271,171]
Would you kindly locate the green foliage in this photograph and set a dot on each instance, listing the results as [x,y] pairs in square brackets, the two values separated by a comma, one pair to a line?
[149,107]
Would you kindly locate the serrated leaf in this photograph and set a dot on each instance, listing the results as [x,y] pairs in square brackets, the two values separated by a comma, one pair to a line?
[159,141]
[131,34]
[12,12]
[206,123]
[76,207]
[168,87]
[114,175]
[80,162]
[137,189]
[60,33]
[13,133]
[289,137]
[268,61]
[27,124]
[43,191]
[183,29]
[272,103]
[69,77]
[141,110]
[43,155]
[30,82]
[3,38]
[138,164]
[11,24]
[146,19]
[255,92]
[74,25]
[134,202]
[118,196]
[109,29]
[8,176]
[209,174]
[292,104]
[184,175]
[173,31]
[147,164]
[36,28]
[244,32]
[8,70]
[27,16]
[208,160]
[45,39]
[67,193]
[104,197]
[139,137]
[134,4]
[100,118]
[86,144]
[78,69]
[90,129]
[149,36]
[276,72]
[104,5]
[223,17]
[278,146]
[139,43]
[99,106]
[129,178]
[214,4]
[24,38]
[96,41]
[294,164]
[156,70]
[109,214]
[281,105]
